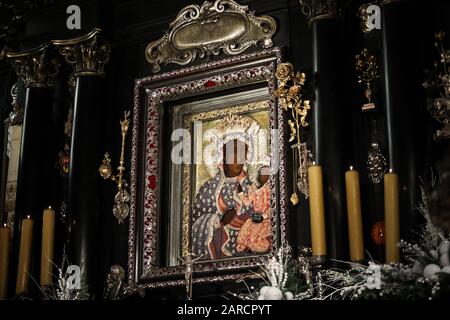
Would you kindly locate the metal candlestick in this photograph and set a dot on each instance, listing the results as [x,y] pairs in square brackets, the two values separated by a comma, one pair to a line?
[121,208]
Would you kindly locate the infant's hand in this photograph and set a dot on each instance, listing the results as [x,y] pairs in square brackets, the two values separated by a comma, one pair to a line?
[228,215]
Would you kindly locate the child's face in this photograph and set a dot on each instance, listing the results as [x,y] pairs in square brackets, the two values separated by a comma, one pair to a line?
[263,175]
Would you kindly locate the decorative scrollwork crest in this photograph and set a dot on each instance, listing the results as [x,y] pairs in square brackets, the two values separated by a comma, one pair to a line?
[213,27]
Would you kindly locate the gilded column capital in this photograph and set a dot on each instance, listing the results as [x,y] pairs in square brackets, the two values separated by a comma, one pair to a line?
[87,54]
[36,67]
[320,9]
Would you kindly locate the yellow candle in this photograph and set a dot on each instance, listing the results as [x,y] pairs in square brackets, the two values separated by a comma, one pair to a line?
[355,231]
[23,268]
[48,236]
[391,217]
[5,236]
[317,211]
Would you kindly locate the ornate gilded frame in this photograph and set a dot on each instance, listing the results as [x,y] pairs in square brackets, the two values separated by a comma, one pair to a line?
[150,95]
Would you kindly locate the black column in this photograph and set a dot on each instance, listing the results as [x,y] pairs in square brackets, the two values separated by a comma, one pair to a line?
[87,56]
[37,157]
[328,116]
[84,188]
[401,88]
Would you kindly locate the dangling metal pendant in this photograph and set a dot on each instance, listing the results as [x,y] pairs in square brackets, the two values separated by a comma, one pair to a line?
[121,209]
[376,163]
[302,173]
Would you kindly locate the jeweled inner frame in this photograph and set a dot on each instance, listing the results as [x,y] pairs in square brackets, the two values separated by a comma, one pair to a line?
[149,94]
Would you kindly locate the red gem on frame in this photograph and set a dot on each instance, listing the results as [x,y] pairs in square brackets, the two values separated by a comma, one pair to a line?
[152,182]
[210,84]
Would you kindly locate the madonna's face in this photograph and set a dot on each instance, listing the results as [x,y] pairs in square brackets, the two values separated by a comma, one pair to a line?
[234,157]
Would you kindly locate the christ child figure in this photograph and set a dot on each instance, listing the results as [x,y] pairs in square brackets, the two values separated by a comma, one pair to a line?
[255,235]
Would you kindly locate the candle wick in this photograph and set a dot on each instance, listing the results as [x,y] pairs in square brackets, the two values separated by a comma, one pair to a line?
[391,170]
[351,168]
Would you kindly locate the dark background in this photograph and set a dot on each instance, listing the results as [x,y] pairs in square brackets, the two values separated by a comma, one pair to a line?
[129,25]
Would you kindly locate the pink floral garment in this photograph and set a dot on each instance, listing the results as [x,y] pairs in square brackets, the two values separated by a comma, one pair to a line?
[256,237]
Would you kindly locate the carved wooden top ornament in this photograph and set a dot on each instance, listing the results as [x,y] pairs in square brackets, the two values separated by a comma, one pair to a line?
[199,31]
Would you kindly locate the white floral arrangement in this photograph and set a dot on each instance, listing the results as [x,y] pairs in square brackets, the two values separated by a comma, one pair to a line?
[275,274]
[424,273]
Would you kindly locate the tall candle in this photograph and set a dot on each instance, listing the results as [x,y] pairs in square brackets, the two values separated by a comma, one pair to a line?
[5,236]
[391,217]
[23,268]
[355,230]
[48,236]
[317,211]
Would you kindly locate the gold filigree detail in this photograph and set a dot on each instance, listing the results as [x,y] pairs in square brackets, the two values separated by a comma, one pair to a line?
[233,121]
[245,108]
[289,93]
[368,71]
